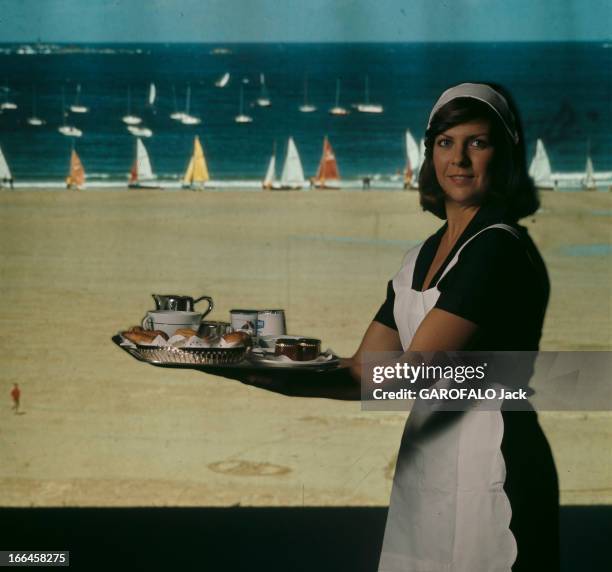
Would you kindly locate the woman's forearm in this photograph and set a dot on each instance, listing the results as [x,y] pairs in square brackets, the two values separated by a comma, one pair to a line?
[335,384]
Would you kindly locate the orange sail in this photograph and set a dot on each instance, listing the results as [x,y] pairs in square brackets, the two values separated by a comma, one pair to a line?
[328,174]
[76,177]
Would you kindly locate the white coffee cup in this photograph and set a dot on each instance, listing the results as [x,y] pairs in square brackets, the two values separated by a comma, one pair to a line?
[168,321]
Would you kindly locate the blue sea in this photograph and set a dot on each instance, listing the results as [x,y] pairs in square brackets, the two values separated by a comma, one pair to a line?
[563,91]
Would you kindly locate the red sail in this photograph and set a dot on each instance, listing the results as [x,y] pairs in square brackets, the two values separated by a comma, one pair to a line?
[76,178]
[328,168]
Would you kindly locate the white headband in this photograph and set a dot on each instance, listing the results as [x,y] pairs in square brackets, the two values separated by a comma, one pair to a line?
[482,92]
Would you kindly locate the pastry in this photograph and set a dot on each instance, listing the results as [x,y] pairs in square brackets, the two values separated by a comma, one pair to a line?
[185,332]
[233,339]
[140,336]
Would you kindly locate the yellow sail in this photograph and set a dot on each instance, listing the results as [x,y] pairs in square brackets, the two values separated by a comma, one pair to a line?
[197,170]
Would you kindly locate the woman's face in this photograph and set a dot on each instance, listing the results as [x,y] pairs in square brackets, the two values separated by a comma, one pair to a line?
[462,158]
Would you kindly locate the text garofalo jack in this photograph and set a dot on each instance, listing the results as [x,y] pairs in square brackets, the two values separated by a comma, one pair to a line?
[428,379]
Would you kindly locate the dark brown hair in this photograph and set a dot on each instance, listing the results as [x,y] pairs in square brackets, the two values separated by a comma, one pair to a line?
[510,185]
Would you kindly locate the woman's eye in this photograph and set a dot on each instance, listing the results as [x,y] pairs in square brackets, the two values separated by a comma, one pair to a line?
[480,143]
[443,142]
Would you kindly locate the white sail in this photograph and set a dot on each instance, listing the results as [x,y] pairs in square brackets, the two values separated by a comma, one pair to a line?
[412,151]
[223,80]
[152,94]
[5,172]
[293,173]
[270,173]
[540,170]
[421,153]
[143,163]
[589,179]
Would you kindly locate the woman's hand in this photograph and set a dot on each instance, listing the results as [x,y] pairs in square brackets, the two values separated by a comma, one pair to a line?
[333,384]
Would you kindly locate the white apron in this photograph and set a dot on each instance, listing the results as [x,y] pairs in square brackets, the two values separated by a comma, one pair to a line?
[448,510]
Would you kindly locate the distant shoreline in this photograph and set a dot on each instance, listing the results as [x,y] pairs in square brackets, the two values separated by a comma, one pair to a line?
[244,186]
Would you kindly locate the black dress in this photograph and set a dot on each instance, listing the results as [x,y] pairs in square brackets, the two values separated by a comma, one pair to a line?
[501,285]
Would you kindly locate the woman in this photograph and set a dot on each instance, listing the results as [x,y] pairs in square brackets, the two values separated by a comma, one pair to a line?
[476,490]
[477,284]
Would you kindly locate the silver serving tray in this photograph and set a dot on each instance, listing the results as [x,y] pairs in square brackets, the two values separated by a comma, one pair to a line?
[183,356]
[210,359]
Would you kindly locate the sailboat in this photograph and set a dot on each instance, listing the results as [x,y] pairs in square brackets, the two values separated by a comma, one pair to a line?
[34,120]
[128,118]
[76,177]
[589,183]
[6,104]
[6,178]
[76,107]
[152,95]
[65,129]
[197,170]
[223,80]
[539,169]
[140,131]
[328,176]
[270,178]
[69,130]
[413,162]
[292,177]
[368,107]
[187,119]
[263,100]
[306,107]
[141,174]
[241,117]
[176,115]
[337,109]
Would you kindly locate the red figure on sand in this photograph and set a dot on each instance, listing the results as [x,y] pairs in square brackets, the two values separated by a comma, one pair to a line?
[16,394]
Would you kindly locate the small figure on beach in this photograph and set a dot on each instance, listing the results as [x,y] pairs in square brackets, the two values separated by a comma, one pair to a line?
[408,178]
[15,396]
[7,181]
[365,182]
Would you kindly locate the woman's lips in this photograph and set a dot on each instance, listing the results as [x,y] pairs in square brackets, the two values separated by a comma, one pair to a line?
[461,179]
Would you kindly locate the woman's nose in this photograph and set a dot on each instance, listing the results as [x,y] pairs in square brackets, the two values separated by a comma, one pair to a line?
[460,155]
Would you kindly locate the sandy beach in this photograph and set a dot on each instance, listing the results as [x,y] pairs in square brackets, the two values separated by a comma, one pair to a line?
[101,429]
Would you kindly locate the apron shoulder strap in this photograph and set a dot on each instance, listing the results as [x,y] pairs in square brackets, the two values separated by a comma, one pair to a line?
[452,263]
[404,274]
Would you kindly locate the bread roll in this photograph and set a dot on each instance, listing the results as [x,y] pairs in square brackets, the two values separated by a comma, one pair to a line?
[233,339]
[139,336]
[185,332]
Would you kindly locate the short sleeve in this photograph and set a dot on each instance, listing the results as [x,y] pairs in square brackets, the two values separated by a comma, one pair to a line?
[490,278]
[385,313]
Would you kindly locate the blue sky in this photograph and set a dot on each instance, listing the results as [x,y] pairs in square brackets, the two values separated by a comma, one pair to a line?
[304,20]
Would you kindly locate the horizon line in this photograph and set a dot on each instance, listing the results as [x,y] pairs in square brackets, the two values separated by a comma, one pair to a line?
[332,42]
